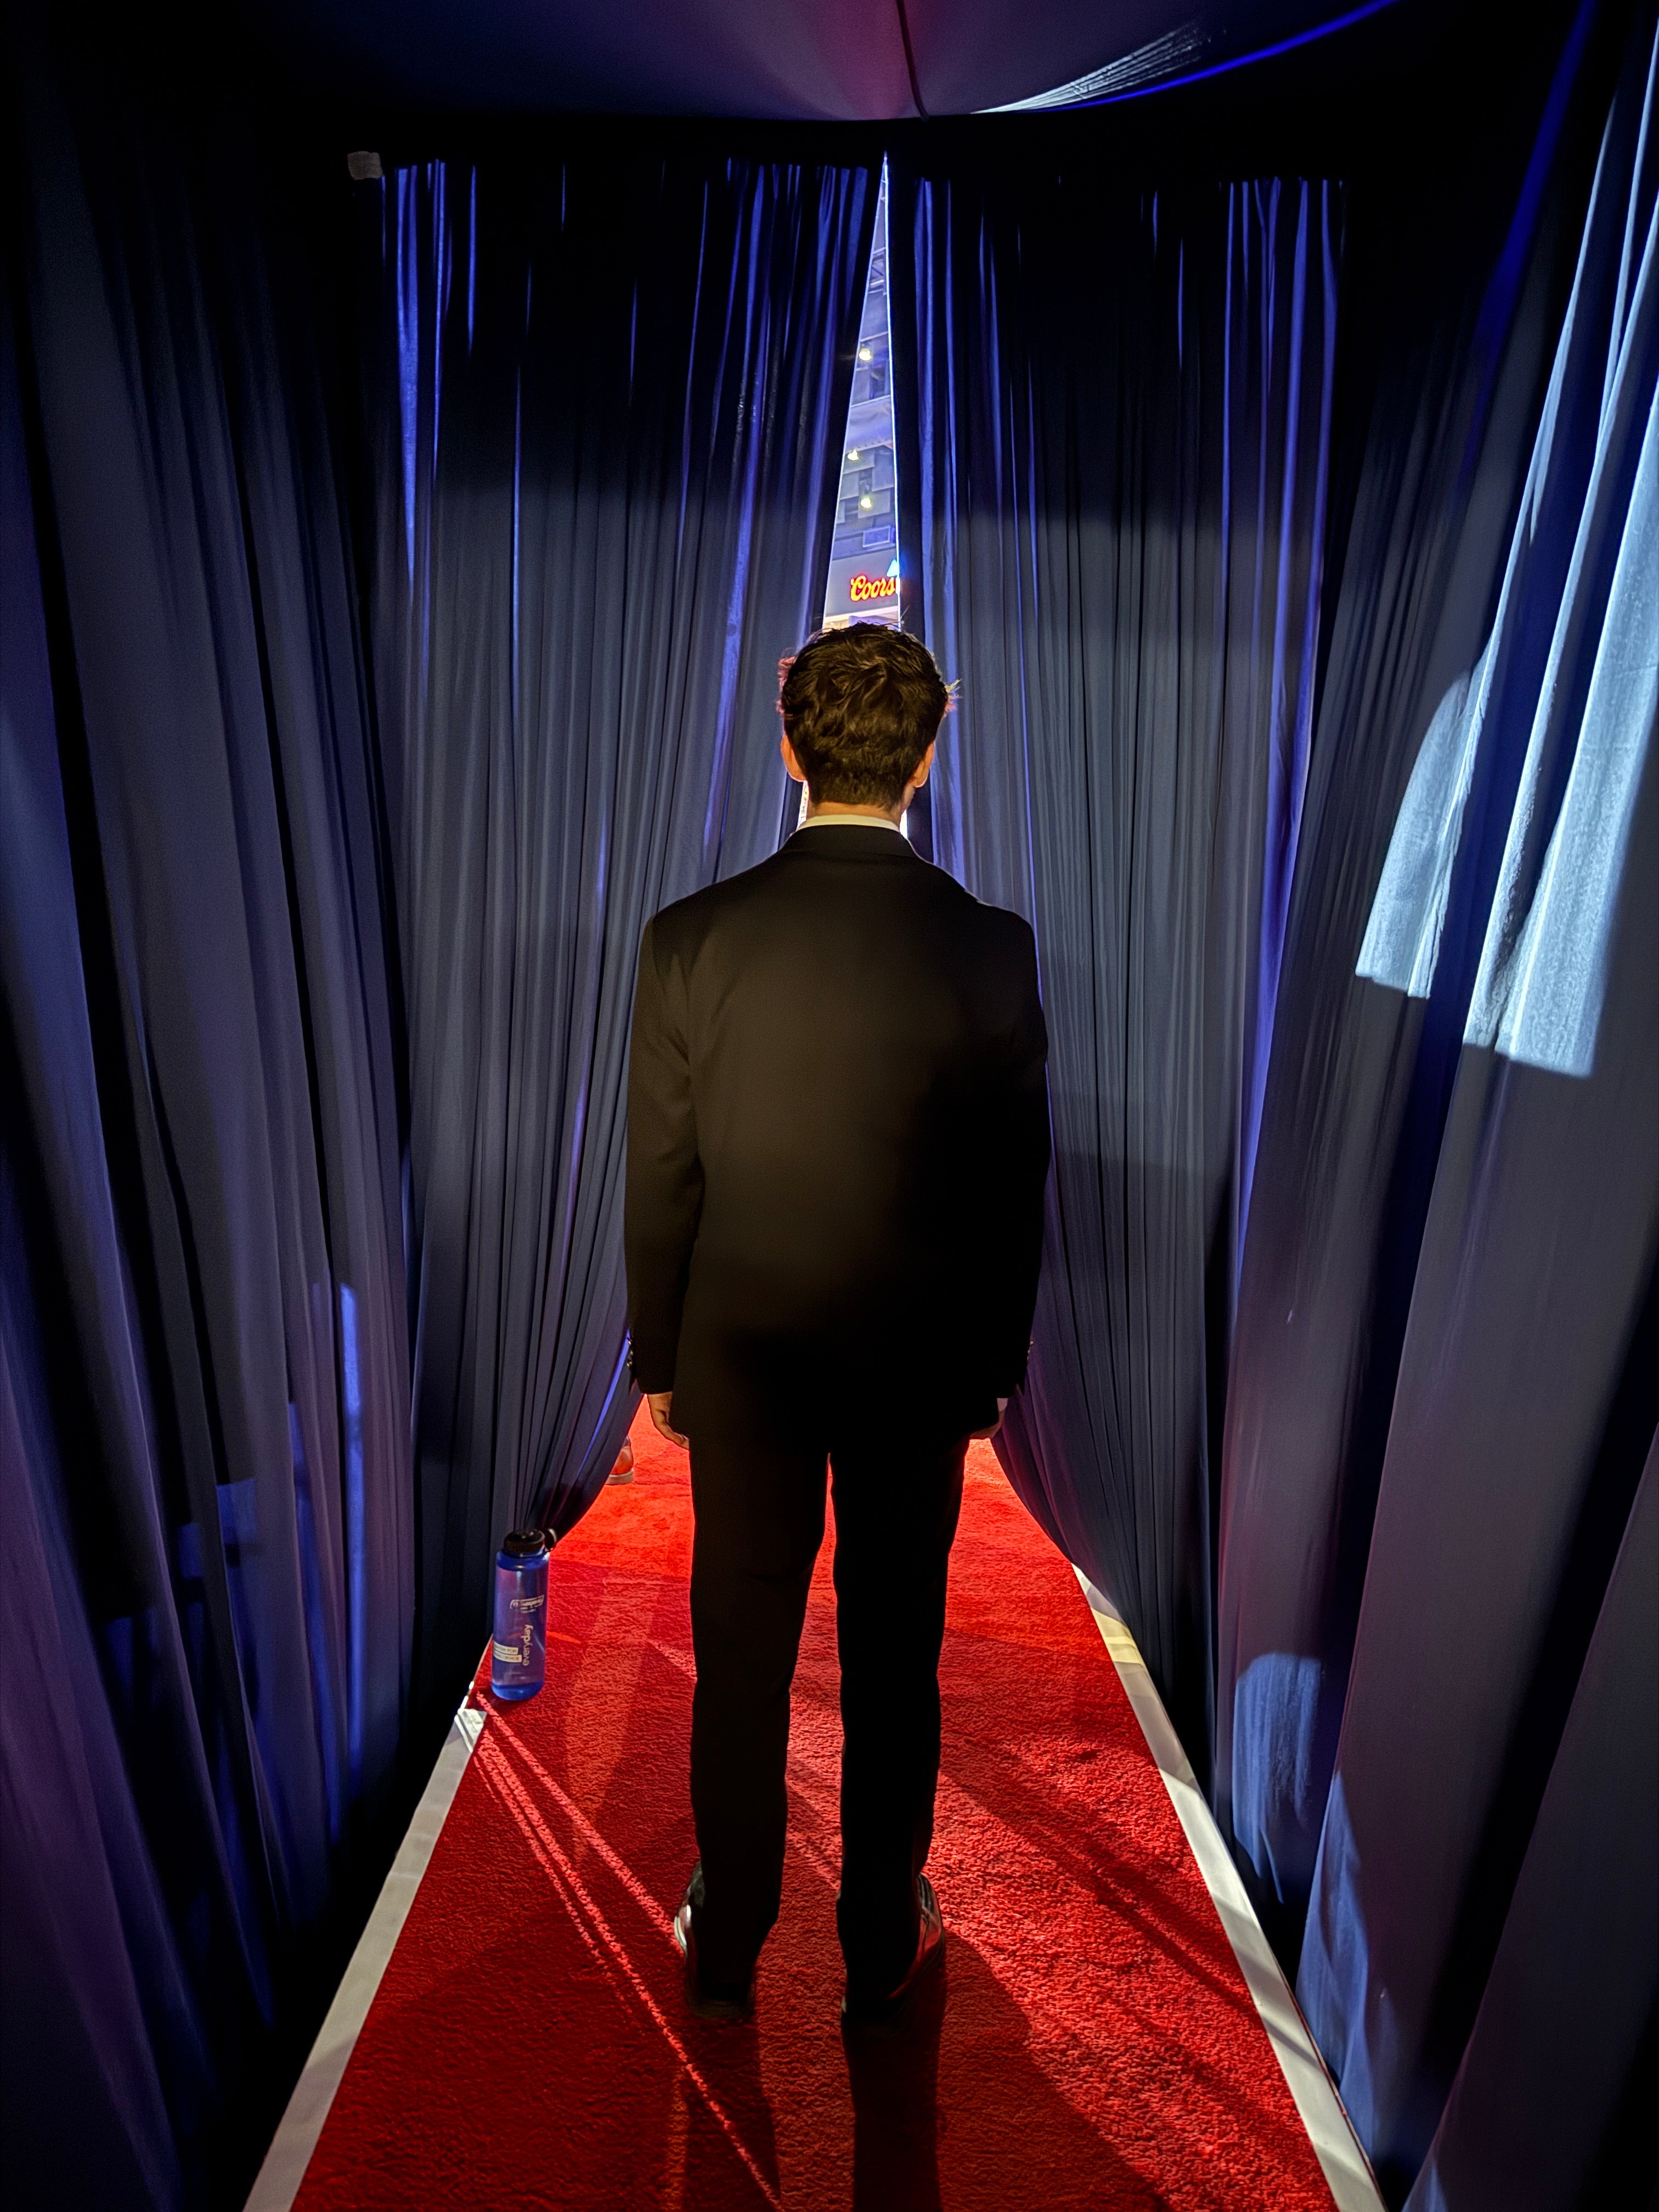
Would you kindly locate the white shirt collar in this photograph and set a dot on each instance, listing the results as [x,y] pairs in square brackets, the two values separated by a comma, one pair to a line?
[851,822]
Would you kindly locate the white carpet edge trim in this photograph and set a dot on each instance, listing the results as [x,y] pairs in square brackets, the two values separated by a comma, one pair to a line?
[278,2180]
[1346,2169]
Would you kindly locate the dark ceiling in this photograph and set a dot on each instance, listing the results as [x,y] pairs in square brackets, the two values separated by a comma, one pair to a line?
[807,59]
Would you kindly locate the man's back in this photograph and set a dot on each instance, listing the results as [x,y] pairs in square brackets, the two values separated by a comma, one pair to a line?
[837,1137]
[854,1048]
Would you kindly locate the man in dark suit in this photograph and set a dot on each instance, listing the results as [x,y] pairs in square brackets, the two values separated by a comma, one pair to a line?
[837,1141]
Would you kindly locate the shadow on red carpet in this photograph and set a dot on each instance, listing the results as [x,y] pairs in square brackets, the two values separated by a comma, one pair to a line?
[1090,2041]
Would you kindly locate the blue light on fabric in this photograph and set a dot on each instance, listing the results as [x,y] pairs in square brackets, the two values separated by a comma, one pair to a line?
[471,254]
[1505,288]
[1295,620]
[351,1439]
[1351,2018]
[1401,945]
[1147,64]
[1537,994]
[1135,76]
[317,1637]
[409,349]
[1543,971]
[1277,1786]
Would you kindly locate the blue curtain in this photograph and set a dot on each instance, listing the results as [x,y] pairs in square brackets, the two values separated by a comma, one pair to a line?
[1437,1595]
[607,406]
[1122,401]
[205,1510]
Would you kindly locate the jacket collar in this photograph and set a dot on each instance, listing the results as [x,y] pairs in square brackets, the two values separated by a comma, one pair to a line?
[846,843]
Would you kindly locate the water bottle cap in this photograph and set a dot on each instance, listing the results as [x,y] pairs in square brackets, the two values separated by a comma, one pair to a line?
[524,1541]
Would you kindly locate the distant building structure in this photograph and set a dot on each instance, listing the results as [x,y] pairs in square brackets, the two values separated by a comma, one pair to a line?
[864,557]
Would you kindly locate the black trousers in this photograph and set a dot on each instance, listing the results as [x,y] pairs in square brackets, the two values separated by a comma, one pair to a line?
[759,1505]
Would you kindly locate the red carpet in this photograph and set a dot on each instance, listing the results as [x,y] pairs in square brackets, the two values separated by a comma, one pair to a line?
[1091,2042]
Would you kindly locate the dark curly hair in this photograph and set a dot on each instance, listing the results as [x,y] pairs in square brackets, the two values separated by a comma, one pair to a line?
[860,706]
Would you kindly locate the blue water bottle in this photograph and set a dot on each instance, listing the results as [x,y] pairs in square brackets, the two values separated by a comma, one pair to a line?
[517,1650]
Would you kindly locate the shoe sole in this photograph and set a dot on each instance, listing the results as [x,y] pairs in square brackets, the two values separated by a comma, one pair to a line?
[703,2007]
[884,2019]
[724,2010]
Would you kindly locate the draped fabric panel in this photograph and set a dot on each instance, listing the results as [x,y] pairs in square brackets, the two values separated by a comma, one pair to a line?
[1552,2101]
[1361,1076]
[206,1501]
[1443,1390]
[69,1927]
[607,398]
[1122,408]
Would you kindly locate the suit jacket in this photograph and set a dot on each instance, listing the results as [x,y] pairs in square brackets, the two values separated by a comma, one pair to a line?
[838,1140]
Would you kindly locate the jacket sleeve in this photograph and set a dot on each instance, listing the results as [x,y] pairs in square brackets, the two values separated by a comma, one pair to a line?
[664,1196]
[1019,1171]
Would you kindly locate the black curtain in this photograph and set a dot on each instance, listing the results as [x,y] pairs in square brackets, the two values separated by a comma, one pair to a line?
[1121,403]
[1552,2102]
[206,1519]
[607,400]
[1435,1392]
[306,969]
[1443,1384]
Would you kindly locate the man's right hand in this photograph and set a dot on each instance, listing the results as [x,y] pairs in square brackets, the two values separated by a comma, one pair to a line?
[980,1436]
[662,1403]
